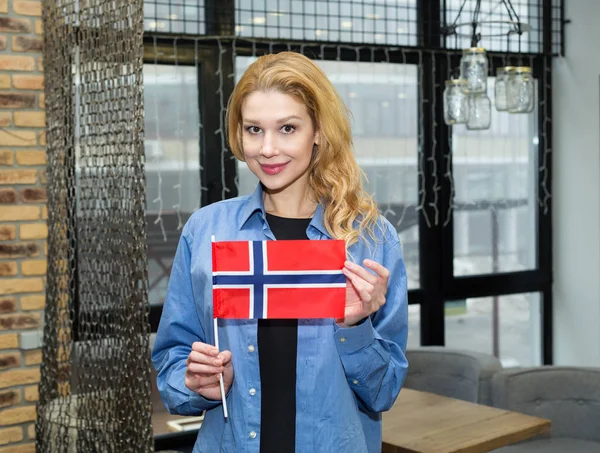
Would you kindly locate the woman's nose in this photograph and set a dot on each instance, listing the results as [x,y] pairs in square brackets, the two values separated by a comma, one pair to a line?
[269,148]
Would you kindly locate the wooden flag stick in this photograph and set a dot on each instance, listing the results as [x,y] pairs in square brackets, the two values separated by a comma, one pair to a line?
[221,383]
[221,374]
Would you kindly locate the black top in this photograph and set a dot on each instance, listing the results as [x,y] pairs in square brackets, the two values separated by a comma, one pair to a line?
[277,351]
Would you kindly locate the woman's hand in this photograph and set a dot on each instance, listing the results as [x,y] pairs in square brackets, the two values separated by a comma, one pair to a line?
[365,291]
[204,366]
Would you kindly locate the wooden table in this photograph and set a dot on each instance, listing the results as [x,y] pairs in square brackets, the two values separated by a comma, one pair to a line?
[422,422]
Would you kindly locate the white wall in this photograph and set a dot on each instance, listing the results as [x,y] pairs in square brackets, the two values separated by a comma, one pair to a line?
[576,189]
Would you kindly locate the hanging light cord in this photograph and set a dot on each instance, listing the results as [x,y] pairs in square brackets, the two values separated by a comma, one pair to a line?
[458,15]
[475,37]
[512,13]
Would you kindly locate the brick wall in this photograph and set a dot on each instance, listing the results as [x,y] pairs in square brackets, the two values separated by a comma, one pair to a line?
[22,218]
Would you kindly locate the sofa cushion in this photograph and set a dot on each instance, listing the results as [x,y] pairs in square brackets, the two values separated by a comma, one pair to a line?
[464,375]
[568,396]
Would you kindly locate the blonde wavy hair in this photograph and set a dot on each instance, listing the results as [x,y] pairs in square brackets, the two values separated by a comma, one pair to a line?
[334,175]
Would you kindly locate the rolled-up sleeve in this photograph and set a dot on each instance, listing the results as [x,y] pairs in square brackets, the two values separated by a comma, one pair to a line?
[373,353]
[179,327]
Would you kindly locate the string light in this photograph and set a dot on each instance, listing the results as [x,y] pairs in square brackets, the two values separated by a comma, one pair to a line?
[158,200]
[177,187]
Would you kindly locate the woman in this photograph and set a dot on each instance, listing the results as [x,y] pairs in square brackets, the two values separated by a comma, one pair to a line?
[308,385]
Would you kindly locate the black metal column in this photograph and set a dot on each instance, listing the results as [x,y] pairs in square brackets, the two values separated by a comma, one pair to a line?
[543,74]
[430,239]
[544,71]
[216,85]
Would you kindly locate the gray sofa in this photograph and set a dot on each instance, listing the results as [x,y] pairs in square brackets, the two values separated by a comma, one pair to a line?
[568,396]
[459,374]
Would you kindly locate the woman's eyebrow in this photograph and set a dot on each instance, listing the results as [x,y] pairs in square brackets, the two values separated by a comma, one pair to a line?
[282,120]
[291,117]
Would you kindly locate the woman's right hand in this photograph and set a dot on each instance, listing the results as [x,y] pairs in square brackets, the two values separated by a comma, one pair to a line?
[204,365]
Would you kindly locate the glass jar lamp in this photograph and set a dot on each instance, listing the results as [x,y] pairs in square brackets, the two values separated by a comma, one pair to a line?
[480,112]
[520,94]
[474,70]
[456,105]
[502,75]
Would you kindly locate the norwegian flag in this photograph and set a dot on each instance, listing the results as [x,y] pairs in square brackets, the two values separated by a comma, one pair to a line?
[279,279]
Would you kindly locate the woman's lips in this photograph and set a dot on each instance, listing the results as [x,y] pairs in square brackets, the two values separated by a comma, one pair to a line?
[273,169]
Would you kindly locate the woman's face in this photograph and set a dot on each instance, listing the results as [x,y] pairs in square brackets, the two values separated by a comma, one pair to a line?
[278,136]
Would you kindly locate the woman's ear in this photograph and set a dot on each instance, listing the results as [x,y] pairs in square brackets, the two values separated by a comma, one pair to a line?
[317,138]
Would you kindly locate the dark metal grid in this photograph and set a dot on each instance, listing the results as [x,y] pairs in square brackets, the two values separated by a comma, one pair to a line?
[558,21]
[374,21]
[175,16]
[371,21]
[528,11]
[377,22]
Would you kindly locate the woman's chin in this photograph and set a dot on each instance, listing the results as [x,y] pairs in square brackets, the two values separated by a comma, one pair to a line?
[271,185]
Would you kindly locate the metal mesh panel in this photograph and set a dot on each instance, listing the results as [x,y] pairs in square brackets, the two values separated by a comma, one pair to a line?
[356,21]
[393,23]
[95,380]
[557,27]
[494,33]
[359,21]
[175,16]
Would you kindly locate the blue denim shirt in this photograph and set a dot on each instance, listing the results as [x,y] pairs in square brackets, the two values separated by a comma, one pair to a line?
[345,376]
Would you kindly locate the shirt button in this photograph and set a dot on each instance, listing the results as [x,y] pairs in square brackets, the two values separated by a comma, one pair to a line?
[250,348]
[343,339]
[252,392]
[252,434]
[355,382]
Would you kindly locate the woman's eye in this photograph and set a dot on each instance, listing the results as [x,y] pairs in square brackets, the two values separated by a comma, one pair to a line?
[288,129]
[253,129]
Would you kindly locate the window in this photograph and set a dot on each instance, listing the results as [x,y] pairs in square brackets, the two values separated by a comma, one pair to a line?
[414,326]
[495,205]
[508,326]
[172,137]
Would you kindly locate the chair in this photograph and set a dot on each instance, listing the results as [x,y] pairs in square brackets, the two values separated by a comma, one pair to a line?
[459,374]
[568,396]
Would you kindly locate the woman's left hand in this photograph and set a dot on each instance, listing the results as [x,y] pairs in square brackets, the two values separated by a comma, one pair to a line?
[365,291]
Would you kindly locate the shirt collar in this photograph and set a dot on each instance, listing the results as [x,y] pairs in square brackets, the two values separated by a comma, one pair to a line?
[254,203]
[318,221]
